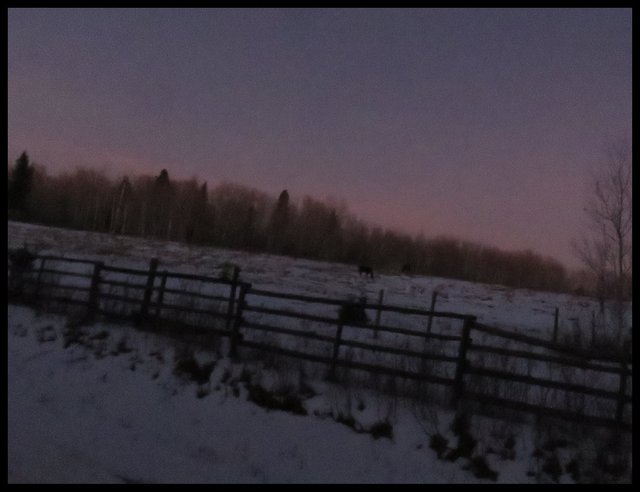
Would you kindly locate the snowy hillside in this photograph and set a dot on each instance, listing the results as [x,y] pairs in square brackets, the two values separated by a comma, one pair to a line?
[113,411]
[108,403]
[514,309]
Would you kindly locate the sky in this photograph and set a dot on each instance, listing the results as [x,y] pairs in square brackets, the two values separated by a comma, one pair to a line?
[478,123]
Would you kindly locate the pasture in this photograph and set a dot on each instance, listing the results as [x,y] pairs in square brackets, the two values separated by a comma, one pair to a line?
[282,284]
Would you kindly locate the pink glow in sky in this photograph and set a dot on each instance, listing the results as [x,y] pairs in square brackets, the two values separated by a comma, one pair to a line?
[481,124]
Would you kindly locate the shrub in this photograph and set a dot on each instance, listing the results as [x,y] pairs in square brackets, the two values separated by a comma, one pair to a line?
[460,424]
[509,452]
[439,444]
[187,366]
[47,334]
[382,429]
[73,334]
[612,463]
[552,467]
[123,347]
[466,442]
[480,468]
[347,420]
[573,468]
[21,264]
[288,401]
[466,445]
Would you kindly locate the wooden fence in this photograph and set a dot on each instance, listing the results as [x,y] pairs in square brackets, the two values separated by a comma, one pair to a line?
[232,311]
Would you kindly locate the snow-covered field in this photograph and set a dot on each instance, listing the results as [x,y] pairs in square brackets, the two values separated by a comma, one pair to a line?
[112,409]
[75,417]
[519,310]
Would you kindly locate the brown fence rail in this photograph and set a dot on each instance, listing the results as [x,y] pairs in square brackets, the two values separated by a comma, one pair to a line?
[148,301]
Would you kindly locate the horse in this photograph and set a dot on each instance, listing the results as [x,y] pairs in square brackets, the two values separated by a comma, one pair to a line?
[367,270]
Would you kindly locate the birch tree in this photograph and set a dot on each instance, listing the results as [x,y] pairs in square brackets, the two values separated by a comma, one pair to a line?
[605,249]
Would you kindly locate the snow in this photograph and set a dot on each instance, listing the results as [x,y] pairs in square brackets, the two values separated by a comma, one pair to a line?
[521,310]
[95,413]
[76,418]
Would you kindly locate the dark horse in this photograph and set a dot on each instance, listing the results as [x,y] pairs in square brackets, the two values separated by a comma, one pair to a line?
[366,270]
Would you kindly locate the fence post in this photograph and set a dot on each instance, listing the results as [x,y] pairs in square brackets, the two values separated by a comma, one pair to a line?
[235,335]
[232,295]
[144,309]
[94,293]
[622,393]
[37,291]
[555,326]
[336,348]
[380,299]
[163,283]
[433,306]
[458,388]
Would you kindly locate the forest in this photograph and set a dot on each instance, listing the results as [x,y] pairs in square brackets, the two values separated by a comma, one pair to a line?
[240,217]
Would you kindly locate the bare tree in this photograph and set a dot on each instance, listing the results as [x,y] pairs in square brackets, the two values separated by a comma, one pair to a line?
[606,249]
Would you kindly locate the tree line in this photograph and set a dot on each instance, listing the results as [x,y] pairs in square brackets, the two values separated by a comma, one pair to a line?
[240,217]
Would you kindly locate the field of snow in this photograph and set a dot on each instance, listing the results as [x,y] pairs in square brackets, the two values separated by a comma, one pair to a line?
[112,410]
[215,435]
[515,310]
[518,310]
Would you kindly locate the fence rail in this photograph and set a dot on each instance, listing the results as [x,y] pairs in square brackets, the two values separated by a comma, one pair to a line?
[128,271]
[43,285]
[574,352]
[566,360]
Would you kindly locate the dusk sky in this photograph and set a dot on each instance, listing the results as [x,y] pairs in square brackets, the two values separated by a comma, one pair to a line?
[481,124]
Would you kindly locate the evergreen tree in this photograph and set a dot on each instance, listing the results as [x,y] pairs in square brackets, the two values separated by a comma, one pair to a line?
[279,222]
[161,206]
[20,183]
[281,212]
